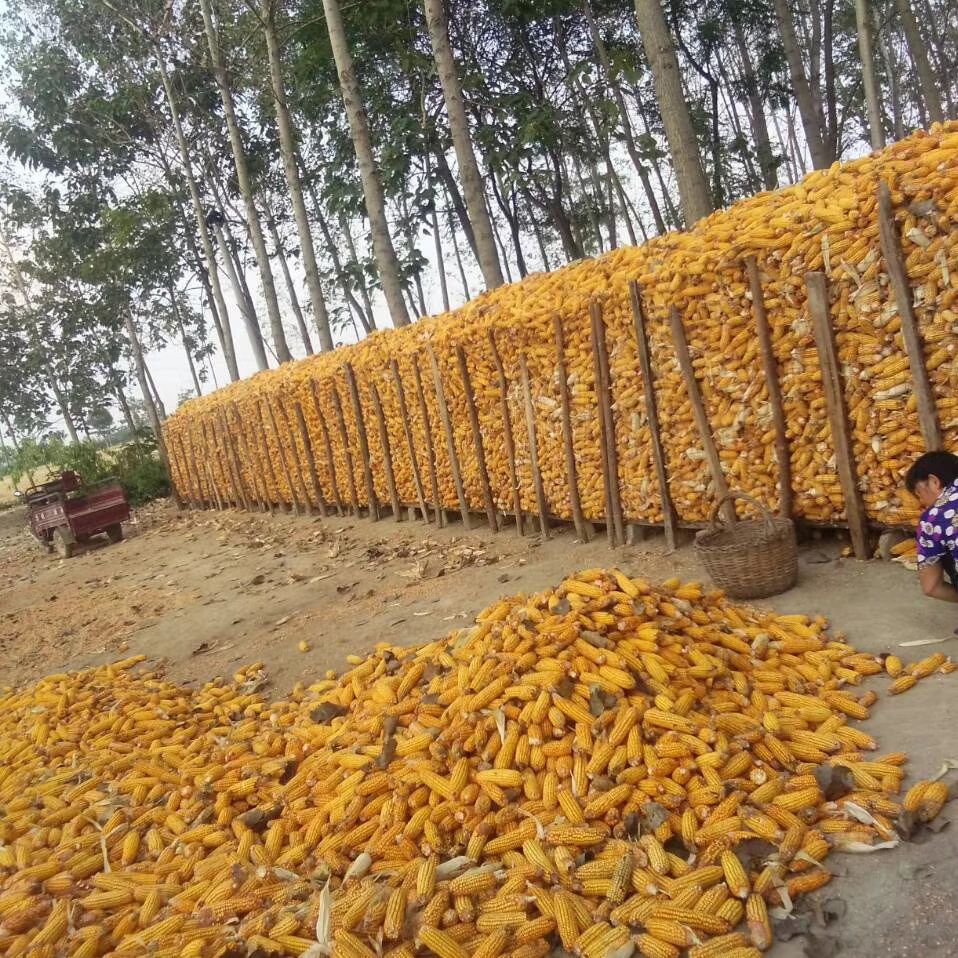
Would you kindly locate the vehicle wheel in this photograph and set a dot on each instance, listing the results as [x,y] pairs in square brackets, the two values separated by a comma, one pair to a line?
[115,532]
[63,542]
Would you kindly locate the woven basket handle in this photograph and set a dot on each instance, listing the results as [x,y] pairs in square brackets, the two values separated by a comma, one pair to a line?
[734,495]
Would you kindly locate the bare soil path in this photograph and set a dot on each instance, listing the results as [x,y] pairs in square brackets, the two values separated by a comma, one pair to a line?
[204,593]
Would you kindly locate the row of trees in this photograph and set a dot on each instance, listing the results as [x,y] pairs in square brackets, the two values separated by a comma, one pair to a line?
[297,172]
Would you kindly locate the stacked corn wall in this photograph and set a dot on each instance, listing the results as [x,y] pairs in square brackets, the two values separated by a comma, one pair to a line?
[245,437]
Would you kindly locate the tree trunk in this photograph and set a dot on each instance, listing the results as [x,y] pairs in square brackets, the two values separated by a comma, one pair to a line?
[657,41]
[623,200]
[178,316]
[756,114]
[241,294]
[333,250]
[220,323]
[49,374]
[503,258]
[455,197]
[624,119]
[142,377]
[437,239]
[512,218]
[458,255]
[814,134]
[671,213]
[229,352]
[830,116]
[124,405]
[357,265]
[919,56]
[469,175]
[245,184]
[383,249]
[287,146]
[160,408]
[894,70]
[291,286]
[876,126]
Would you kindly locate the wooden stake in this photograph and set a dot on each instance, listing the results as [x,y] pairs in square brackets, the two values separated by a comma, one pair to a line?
[347,452]
[287,472]
[450,440]
[670,518]
[895,264]
[230,445]
[184,469]
[210,480]
[568,443]
[270,467]
[770,367]
[205,502]
[176,474]
[818,307]
[430,445]
[387,452]
[301,489]
[222,461]
[310,458]
[327,447]
[533,448]
[508,439]
[256,469]
[607,422]
[487,499]
[681,345]
[410,445]
[363,442]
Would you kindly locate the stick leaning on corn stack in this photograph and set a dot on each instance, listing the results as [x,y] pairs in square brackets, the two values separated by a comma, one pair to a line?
[578,767]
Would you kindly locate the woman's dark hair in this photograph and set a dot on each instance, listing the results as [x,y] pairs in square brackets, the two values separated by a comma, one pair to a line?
[943,465]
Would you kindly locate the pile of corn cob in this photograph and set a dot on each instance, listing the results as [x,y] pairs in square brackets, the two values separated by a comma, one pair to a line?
[579,767]
[826,222]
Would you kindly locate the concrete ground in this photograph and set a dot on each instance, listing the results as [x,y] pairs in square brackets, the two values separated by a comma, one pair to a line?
[206,592]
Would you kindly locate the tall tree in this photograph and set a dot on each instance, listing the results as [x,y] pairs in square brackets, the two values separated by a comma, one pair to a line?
[919,55]
[221,74]
[686,160]
[287,145]
[876,123]
[462,142]
[384,251]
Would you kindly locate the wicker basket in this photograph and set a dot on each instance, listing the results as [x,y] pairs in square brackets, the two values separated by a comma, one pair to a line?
[751,558]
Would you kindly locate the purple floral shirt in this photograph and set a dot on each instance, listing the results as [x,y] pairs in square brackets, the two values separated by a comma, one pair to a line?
[938,528]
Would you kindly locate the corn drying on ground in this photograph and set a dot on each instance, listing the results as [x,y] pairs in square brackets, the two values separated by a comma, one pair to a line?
[827,222]
[544,776]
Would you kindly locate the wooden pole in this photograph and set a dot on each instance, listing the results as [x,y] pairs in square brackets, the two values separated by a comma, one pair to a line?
[327,446]
[818,307]
[431,461]
[284,464]
[220,458]
[256,471]
[681,345]
[450,440]
[670,519]
[508,440]
[568,443]
[487,499]
[607,422]
[347,452]
[310,458]
[276,500]
[212,482]
[387,452]
[301,489]
[177,483]
[895,264]
[230,445]
[205,502]
[184,468]
[541,504]
[770,367]
[410,444]
[363,441]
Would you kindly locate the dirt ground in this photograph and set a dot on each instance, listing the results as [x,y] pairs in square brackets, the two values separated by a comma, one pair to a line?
[204,593]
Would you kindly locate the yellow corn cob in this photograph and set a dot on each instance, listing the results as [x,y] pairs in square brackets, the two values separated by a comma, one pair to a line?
[441,944]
